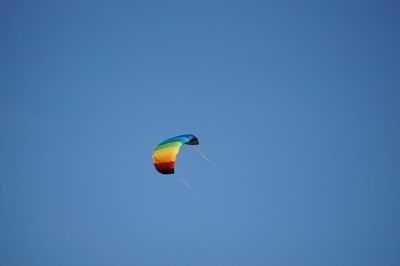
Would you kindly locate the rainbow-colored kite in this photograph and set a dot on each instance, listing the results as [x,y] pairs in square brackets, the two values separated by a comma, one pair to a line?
[164,155]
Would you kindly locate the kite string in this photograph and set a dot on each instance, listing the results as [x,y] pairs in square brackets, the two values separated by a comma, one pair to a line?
[203,156]
[181,179]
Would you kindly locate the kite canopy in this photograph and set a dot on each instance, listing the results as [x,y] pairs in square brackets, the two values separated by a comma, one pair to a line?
[164,155]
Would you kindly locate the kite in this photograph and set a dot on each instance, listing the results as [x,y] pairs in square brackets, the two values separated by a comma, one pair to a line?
[164,155]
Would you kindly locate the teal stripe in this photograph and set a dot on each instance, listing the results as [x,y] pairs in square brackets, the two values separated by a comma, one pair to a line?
[182,141]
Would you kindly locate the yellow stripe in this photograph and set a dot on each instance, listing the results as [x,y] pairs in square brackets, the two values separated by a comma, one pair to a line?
[164,155]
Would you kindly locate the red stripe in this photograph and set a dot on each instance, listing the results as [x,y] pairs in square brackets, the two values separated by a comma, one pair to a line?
[164,166]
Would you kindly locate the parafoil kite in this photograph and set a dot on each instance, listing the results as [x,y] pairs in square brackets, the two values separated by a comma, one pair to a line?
[164,155]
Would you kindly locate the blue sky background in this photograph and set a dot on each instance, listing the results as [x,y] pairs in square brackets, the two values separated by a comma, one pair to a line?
[296,102]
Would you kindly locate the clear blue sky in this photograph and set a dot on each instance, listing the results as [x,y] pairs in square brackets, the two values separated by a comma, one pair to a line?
[296,102]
